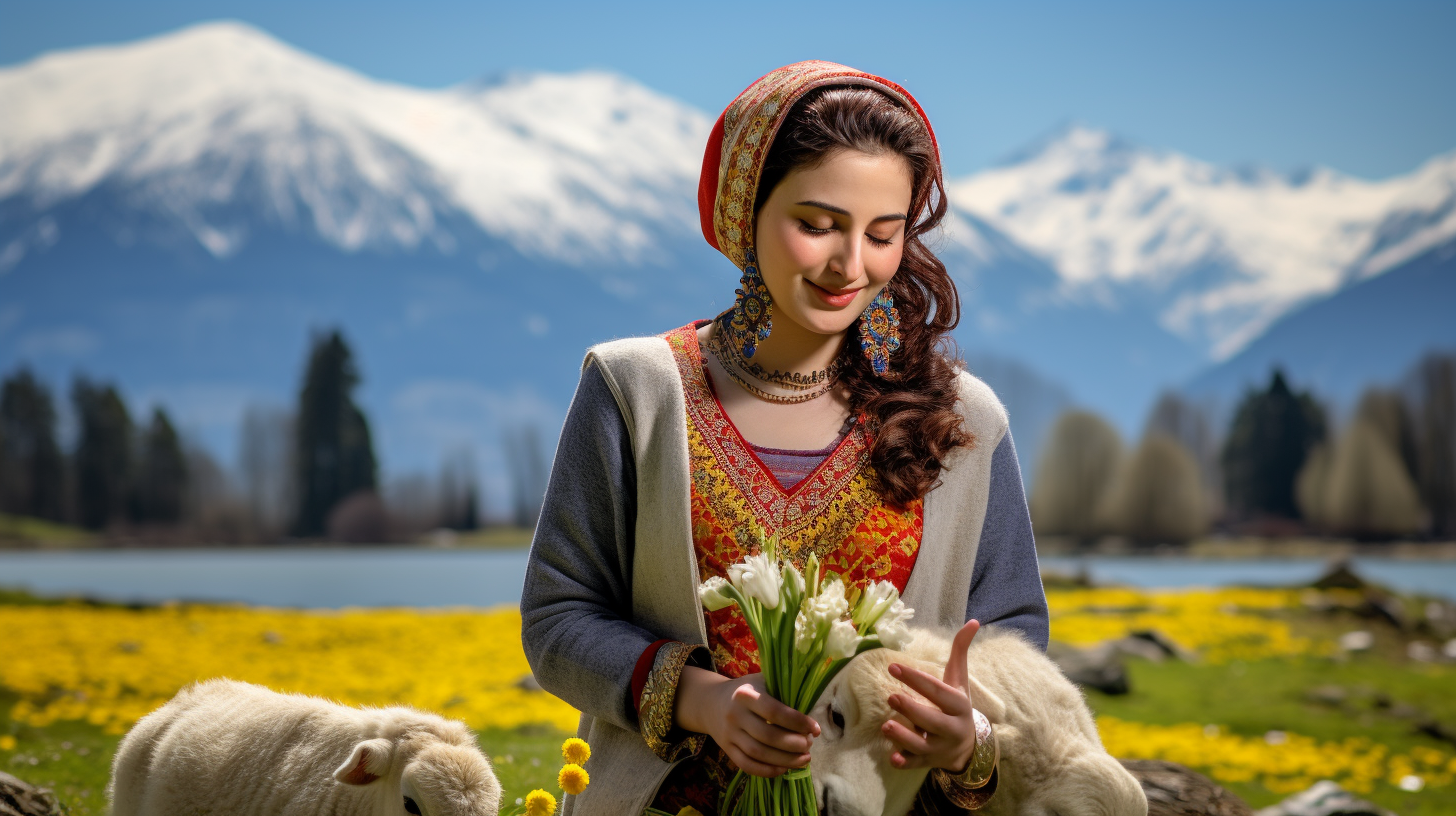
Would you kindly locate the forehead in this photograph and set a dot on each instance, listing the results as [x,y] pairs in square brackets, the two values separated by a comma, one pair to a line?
[846,178]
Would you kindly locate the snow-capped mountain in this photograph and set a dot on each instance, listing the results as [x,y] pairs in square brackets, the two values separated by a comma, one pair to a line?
[595,168]
[1222,253]
[179,213]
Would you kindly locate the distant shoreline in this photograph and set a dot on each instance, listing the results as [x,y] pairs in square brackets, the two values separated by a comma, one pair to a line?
[1251,548]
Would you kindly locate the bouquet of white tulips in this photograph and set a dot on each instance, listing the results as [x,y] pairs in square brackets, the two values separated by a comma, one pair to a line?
[806,629]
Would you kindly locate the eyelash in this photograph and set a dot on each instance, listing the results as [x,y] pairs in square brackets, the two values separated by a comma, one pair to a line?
[808,230]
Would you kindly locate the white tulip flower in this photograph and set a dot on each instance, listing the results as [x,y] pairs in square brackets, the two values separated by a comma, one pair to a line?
[829,605]
[891,625]
[877,597]
[843,641]
[710,592]
[793,579]
[804,632]
[758,577]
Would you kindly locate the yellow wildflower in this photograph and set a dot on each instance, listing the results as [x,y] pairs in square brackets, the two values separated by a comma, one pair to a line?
[540,803]
[7,743]
[575,751]
[573,779]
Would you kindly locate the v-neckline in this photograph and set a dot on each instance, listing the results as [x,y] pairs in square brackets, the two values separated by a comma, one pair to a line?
[700,370]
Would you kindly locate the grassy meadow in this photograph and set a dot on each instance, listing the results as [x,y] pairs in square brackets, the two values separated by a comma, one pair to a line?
[1269,704]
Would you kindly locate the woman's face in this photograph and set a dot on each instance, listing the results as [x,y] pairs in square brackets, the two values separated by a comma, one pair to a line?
[830,237]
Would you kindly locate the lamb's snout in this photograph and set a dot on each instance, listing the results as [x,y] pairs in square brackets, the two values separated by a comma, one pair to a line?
[833,800]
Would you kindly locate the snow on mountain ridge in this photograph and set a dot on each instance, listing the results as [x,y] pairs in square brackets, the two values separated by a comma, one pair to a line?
[1103,211]
[207,101]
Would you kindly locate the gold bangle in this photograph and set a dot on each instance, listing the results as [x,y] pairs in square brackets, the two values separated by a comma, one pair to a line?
[966,789]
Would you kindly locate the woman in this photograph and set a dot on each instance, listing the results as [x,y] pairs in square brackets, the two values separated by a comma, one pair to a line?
[821,409]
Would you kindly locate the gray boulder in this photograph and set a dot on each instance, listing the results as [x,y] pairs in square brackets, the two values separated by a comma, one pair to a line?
[18,798]
[1324,798]
[1175,790]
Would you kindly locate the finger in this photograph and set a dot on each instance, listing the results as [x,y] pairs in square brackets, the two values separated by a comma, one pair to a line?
[750,765]
[904,738]
[926,718]
[773,736]
[952,700]
[777,713]
[769,755]
[908,759]
[955,668]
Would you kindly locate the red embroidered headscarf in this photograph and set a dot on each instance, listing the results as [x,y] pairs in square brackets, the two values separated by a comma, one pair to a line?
[740,140]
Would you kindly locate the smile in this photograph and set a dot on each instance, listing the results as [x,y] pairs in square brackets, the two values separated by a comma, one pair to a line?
[837,299]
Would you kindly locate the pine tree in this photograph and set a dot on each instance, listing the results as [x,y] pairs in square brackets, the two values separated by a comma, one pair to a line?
[1080,457]
[103,454]
[161,475]
[1434,402]
[1272,434]
[335,456]
[32,469]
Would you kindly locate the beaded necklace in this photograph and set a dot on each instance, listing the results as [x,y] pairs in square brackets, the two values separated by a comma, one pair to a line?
[811,386]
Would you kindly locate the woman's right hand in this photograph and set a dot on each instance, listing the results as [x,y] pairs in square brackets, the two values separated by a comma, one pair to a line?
[761,735]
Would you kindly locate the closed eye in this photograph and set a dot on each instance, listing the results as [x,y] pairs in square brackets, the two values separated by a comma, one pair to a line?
[836,717]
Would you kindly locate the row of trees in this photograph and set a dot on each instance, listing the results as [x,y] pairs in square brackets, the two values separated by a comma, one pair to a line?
[1389,472]
[308,472]
[117,472]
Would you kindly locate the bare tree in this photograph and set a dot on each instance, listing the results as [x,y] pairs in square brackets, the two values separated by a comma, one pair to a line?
[1158,495]
[269,477]
[1432,389]
[1078,462]
[1189,424]
[526,462]
[1367,491]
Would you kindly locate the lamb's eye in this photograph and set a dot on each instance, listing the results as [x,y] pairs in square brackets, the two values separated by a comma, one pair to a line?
[836,717]
[411,807]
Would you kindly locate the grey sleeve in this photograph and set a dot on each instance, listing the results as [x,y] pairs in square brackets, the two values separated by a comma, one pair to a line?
[576,602]
[1006,583]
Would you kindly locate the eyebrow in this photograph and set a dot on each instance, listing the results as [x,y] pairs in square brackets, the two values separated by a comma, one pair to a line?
[841,211]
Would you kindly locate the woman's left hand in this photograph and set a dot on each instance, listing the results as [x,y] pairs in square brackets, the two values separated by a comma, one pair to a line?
[945,733]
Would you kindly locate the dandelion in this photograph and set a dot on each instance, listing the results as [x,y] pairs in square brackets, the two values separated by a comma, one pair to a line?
[573,779]
[7,743]
[576,751]
[540,803]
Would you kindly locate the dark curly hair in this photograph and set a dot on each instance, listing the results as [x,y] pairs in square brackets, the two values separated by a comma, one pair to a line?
[912,418]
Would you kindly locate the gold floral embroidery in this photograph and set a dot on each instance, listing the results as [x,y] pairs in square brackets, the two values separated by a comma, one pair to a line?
[658,694]
[756,114]
[833,512]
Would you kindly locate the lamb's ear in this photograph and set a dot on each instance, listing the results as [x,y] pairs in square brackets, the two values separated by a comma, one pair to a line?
[369,761]
[985,702]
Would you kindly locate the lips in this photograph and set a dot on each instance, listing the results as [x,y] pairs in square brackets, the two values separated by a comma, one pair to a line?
[836,298]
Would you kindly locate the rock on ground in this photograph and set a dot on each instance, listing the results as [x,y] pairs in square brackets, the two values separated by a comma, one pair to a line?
[1324,798]
[1174,790]
[18,798]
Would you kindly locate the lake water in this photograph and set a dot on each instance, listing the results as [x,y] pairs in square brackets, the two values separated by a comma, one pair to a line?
[397,576]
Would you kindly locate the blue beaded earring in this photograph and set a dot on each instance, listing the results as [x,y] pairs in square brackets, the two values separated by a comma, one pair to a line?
[752,316]
[879,332]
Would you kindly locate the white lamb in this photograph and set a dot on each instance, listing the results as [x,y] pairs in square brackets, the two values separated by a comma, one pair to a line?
[226,748]
[1052,761]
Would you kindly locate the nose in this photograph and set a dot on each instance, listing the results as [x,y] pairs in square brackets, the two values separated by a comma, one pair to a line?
[848,261]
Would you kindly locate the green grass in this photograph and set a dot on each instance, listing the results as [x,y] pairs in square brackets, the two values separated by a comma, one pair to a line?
[1253,698]
[27,531]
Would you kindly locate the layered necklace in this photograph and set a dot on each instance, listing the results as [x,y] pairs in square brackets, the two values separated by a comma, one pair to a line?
[754,379]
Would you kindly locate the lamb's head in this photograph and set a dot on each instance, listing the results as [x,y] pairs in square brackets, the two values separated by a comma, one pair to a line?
[1052,761]
[434,771]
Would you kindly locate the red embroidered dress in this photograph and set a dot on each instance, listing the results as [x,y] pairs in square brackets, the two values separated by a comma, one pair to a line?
[834,511]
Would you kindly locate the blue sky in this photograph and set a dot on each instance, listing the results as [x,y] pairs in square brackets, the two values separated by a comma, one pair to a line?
[1368,88]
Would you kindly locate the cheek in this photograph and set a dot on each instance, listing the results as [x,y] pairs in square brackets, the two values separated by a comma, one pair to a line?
[882,263]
